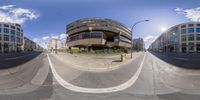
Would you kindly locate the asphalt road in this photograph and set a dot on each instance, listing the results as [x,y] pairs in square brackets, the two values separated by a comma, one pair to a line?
[158,80]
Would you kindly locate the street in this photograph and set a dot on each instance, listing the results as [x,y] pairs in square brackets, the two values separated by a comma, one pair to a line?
[157,80]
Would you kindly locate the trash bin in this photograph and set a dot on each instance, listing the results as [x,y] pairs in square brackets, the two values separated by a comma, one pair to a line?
[123,57]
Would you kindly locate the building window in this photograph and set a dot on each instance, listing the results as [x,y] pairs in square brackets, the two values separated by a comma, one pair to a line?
[191,46]
[86,35]
[190,25]
[6,38]
[198,30]
[198,24]
[96,35]
[198,37]
[190,30]
[191,37]
[5,25]
[183,38]
[6,30]
[183,31]
[18,40]
[183,26]
[12,32]
[13,27]
[13,38]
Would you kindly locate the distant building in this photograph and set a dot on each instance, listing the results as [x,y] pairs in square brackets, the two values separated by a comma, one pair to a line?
[97,33]
[11,37]
[183,38]
[54,44]
[138,44]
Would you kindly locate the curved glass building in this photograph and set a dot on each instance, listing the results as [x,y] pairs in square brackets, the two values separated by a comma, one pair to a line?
[98,33]
[11,37]
[183,38]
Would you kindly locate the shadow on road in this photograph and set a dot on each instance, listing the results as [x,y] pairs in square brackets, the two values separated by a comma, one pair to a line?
[187,61]
[13,60]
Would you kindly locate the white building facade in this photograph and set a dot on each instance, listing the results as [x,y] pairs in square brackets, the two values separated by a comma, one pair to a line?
[184,38]
[11,37]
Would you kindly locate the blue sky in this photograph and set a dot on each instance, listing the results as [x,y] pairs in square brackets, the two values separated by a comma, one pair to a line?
[48,18]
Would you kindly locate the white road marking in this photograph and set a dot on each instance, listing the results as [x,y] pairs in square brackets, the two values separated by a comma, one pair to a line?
[181,58]
[18,57]
[74,88]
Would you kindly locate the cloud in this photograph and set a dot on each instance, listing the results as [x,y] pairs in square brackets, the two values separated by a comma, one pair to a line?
[192,14]
[6,7]
[45,38]
[10,13]
[150,39]
[63,36]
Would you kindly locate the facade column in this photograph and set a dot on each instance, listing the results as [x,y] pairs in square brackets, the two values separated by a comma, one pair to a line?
[2,47]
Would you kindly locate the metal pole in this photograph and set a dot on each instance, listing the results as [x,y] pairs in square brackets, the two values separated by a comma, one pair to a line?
[132,35]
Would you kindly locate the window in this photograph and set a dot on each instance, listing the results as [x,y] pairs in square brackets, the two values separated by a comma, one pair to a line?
[198,30]
[13,38]
[12,32]
[191,37]
[5,25]
[96,35]
[190,30]
[183,26]
[86,35]
[0,30]
[74,38]
[6,30]
[18,40]
[190,25]
[13,27]
[198,37]
[198,24]
[183,31]
[191,46]
[6,38]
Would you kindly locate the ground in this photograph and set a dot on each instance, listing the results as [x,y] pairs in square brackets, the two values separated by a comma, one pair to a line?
[149,76]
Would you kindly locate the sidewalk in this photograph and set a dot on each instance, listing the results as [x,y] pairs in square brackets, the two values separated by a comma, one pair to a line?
[94,62]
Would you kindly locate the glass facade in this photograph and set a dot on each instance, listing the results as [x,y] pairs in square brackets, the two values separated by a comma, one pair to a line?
[183,31]
[190,30]
[198,37]
[183,38]
[191,37]
[198,30]
[6,37]
[6,30]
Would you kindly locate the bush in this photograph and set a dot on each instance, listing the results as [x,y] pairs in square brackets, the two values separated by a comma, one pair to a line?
[74,50]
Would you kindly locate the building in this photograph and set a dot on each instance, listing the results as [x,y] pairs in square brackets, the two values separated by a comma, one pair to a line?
[54,44]
[11,37]
[30,45]
[183,38]
[138,44]
[97,33]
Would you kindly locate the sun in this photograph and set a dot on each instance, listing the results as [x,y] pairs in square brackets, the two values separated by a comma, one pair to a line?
[163,29]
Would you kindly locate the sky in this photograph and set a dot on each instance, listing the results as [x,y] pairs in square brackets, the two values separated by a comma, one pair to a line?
[43,19]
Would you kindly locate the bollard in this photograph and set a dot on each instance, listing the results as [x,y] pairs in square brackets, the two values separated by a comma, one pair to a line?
[122,57]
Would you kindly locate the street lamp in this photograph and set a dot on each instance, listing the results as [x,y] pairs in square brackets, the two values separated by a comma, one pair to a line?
[132,34]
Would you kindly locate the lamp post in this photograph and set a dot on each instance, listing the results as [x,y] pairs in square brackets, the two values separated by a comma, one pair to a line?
[132,34]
